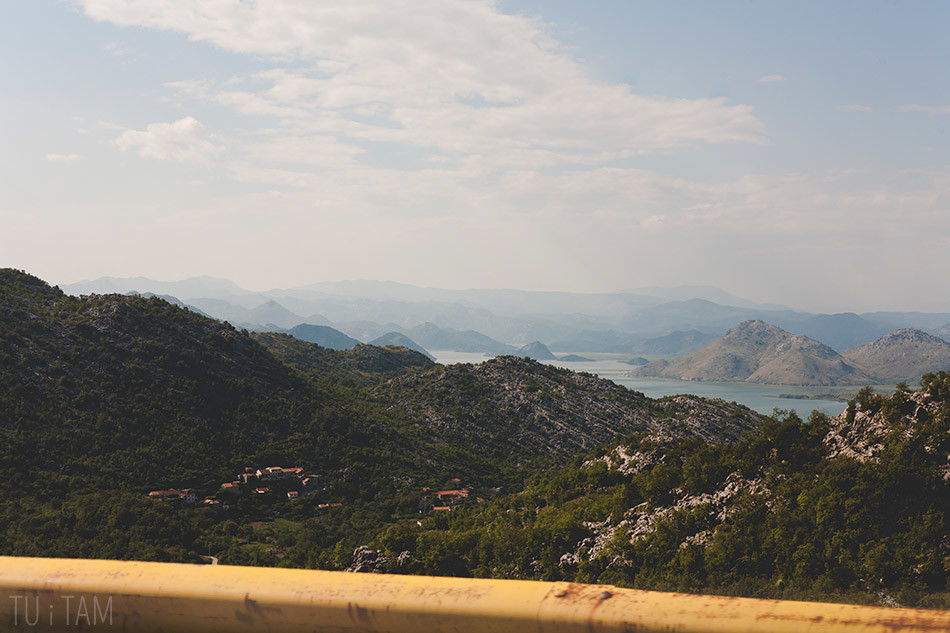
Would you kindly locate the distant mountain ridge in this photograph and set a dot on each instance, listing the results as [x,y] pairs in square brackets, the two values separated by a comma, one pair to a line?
[612,322]
[942,332]
[674,344]
[707,293]
[755,351]
[431,336]
[841,331]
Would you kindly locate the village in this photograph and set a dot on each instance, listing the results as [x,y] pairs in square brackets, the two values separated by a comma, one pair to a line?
[293,484]
[446,500]
[290,483]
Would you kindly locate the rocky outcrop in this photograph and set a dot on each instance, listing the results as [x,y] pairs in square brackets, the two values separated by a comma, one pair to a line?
[368,560]
[641,520]
[860,432]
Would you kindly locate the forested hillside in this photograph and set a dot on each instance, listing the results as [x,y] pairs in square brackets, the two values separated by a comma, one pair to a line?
[104,398]
[853,508]
[390,462]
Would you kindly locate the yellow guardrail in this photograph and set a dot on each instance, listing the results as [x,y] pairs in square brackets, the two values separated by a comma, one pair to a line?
[40,594]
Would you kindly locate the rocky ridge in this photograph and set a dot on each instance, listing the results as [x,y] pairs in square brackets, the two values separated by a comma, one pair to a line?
[508,401]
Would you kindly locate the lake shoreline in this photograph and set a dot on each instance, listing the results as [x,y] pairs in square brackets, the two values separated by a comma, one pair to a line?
[761,398]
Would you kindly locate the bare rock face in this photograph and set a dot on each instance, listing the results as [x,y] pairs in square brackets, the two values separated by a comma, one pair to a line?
[630,462]
[859,432]
[755,351]
[860,437]
[512,402]
[368,560]
[642,521]
[904,355]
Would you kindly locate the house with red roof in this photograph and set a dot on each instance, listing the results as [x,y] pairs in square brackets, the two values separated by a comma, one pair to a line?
[231,488]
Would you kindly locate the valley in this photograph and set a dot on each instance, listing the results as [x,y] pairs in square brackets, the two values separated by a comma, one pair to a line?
[133,427]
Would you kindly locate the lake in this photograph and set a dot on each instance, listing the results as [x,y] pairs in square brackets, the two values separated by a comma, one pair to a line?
[761,398]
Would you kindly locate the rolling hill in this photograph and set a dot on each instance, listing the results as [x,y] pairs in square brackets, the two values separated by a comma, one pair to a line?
[755,351]
[902,356]
[401,340]
[510,405]
[105,397]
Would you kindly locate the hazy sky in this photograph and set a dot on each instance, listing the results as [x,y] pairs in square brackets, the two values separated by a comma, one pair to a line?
[792,152]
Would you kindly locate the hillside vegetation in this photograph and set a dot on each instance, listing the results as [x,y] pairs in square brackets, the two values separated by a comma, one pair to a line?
[853,508]
[106,397]
[508,469]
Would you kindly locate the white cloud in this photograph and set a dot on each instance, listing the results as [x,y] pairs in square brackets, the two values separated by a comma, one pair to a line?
[453,77]
[922,108]
[180,141]
[63,158]
[767,79]
[855,108]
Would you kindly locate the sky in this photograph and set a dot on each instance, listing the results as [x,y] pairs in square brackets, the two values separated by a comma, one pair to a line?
[787,152]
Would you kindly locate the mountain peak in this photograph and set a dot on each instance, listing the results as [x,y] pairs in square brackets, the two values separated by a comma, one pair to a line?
[904,355]
[536,350]
[908,335]
[756,351]
[755,332]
